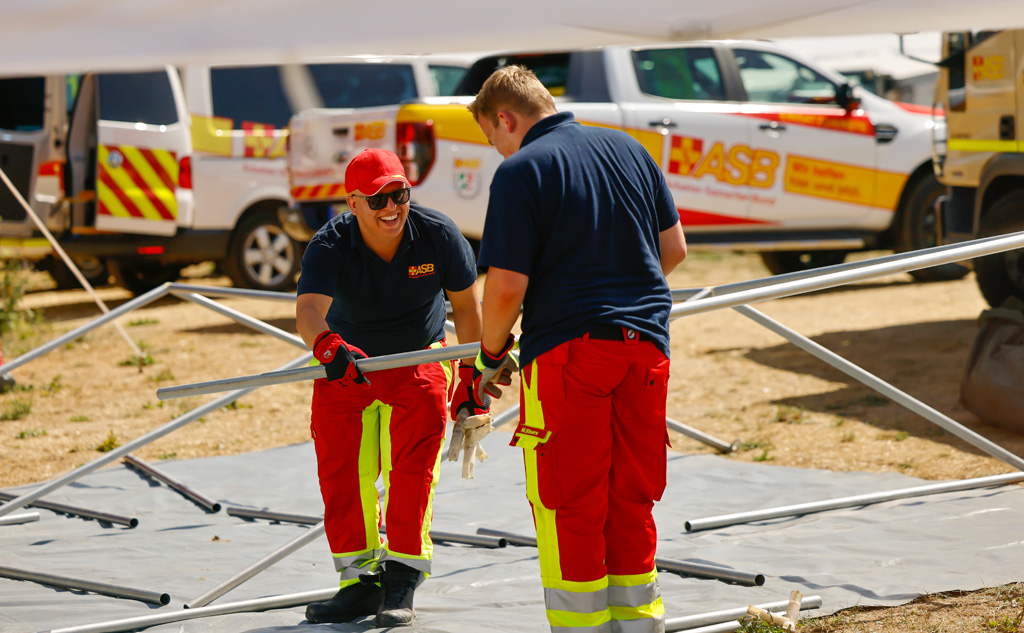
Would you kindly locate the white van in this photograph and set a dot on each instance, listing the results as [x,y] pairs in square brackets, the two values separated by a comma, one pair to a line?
[172,167]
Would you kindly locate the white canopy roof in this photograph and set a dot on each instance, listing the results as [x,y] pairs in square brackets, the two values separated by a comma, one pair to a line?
[38,36]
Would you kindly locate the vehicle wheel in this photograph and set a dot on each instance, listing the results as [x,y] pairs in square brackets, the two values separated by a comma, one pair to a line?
[781,262]
[919,229]
[1001,275]
[93,268]
[262,255]
[141,276]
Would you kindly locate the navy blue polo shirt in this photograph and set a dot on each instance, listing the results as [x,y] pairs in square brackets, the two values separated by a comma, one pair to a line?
[388,307]
[579,210]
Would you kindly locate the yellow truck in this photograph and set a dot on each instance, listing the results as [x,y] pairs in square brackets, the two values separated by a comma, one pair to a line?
[980,155]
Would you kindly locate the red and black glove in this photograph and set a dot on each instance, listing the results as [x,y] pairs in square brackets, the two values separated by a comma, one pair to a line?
[339,359]
[491,370]
[464,396]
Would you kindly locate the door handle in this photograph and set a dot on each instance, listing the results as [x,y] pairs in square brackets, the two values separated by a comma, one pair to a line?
[772,126]
[666,122]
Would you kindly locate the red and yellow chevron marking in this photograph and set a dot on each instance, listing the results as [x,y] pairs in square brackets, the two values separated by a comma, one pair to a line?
[333,191]
[136,182]
[684,154]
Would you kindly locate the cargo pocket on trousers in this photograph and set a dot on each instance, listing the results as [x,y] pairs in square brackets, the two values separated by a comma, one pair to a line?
[657,383]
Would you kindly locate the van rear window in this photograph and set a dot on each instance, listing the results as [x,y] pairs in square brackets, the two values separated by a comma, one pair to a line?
[137,98]
[22,103]
[363,85]
[250,94]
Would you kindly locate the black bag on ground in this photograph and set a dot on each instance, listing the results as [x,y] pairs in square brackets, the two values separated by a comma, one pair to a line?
[992,386]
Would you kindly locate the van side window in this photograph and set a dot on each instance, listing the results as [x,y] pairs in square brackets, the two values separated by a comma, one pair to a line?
[22,103]
[679,73]
[552,69]
[363,85]
[771,78]
[137,98]
[446,79]
[249,94]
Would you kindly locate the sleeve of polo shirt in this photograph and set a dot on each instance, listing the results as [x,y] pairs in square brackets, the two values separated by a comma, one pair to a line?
[664,203]
[510,232]
[319,269]
[459,262]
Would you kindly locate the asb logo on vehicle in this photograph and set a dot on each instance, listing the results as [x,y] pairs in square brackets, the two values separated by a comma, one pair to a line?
[421,271]
[684,155]
[733,165]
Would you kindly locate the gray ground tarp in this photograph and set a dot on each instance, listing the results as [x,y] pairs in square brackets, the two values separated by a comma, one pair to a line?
[873,555]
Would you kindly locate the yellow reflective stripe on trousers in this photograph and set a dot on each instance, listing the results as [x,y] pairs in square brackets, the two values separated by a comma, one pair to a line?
[369,468]
[596,621]
[638,590]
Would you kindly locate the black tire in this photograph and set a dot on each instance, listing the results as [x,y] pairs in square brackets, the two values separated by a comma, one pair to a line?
[919,229]
[93,268]
[141,276]
[782,262]
[1001,275]
[262,256]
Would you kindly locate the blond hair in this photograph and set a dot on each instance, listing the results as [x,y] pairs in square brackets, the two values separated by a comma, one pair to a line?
[513,88]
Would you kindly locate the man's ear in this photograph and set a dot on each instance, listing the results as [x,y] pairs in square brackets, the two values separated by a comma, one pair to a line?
[351,207]
[510,119]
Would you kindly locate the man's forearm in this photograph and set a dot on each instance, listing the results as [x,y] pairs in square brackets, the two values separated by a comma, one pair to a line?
[503,300]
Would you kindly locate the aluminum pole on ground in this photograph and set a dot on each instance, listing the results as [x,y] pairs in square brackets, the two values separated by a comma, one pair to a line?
[153,435]
[279,377]
[709,523]
[124,308]
[268,515]
[106,589]
[242,318]
[62,508]
[961,251]
[698,570]
[67,260]
[150,470]
[688,622]
[301,541]
[222,291]
[700,436]
[18,519]
[945,422]
[285,601]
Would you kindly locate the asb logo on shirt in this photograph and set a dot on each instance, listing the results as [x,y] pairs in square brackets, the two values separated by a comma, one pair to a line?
[422,270]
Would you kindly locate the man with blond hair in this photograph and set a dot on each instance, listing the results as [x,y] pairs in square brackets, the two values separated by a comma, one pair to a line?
[581,231]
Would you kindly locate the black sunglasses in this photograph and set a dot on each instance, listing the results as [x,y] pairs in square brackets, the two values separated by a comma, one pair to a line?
[379,201]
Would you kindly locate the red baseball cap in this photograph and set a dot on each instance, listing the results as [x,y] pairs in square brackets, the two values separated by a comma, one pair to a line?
[372,169]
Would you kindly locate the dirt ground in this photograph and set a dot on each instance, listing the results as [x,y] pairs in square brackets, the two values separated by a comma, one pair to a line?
[731,379]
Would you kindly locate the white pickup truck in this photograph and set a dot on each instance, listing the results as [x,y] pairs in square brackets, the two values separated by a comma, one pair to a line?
[762,151]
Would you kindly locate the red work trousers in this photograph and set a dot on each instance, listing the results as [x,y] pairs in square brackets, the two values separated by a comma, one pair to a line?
[594,436]
[395,427]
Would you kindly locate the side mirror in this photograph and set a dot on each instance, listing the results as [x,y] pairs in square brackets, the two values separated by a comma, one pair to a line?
[845,97]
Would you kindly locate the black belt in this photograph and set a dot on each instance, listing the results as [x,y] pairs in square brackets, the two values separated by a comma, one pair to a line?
[604,332]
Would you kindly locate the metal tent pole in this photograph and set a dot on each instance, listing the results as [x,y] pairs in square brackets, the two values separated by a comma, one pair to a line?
[687,622]
[964,250]
[700,436]
[121,451]
[64,582]
[697,570]
[260,604]
[45,348]
[148,469]
[316,532]
[279,377]
[879,385]
[84,513]
[268,515]
[222,291]
[18,519]
[244,319]
[508,415]
[67,260]
[709,523]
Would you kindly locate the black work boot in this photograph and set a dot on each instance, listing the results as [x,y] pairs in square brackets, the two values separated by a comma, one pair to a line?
[399,583]
[347,605]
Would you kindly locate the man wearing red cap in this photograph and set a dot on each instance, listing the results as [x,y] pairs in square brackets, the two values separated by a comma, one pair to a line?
[373,283]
